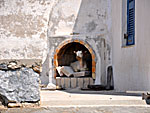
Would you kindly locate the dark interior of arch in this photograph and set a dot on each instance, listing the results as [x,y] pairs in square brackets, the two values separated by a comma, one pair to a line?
[66,55]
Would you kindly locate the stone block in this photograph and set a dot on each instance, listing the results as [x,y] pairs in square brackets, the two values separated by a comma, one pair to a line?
[79,74]
[73,83]
[67,83]
[80,82]
[67,70]
[86,82]
[58,82]
[91,81]
[62,80]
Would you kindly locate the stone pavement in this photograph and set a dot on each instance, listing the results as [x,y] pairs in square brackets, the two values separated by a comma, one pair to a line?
[104,109]
[75,101]
[78,98]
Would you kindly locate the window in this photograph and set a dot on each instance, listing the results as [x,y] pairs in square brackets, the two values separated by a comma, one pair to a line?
[130,22]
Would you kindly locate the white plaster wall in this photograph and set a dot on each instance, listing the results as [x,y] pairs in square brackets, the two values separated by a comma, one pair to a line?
[84,17]
[23,28]
[131,64]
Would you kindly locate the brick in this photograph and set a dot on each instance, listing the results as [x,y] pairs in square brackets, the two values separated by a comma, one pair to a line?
[93,75]
[93,56]
[93,69]
[76,40]
[55,56]
[57,50]
[81,42]
[55,62]
[93,63]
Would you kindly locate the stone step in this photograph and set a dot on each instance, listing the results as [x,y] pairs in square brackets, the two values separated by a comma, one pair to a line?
[67,83]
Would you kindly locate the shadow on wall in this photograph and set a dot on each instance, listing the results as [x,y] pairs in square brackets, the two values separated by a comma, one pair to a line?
[44,75]
[89,18]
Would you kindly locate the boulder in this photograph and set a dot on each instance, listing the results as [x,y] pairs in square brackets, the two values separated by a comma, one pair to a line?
[21,85]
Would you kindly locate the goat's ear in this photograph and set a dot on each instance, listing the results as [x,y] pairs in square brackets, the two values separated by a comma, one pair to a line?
[74,51]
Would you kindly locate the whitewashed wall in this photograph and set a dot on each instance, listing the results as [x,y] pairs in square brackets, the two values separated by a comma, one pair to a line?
[131,64]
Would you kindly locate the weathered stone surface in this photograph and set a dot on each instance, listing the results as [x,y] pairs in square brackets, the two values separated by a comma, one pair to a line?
[67,70]
[79,74]
[58,82]
[80,82]
[85,82]
[73,82]
[21,85]
[67,83]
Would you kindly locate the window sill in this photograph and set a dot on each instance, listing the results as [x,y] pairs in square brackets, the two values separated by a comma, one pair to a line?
[127,46]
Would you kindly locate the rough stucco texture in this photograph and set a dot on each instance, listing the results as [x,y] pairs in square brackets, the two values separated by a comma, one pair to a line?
[23,28]
[25,24]
[80,16]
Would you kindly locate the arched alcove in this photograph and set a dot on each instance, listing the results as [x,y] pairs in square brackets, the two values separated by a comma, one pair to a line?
[64,55]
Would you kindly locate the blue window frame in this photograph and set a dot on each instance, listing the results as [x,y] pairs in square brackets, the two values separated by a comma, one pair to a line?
[131,22]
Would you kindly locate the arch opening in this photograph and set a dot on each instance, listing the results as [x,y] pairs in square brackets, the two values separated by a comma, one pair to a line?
[65,56]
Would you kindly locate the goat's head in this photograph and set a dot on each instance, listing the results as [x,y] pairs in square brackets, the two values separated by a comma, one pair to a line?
[80,53]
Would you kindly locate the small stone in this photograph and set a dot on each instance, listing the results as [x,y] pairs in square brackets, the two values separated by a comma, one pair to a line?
[37,69]
[30,104]
[13,65]
[14,105]
[3,66]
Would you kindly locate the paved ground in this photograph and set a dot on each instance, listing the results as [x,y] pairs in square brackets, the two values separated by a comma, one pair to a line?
[90,98]
[75,101]
[106,109]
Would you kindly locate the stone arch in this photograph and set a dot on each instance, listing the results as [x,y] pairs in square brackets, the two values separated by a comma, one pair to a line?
[86,45]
